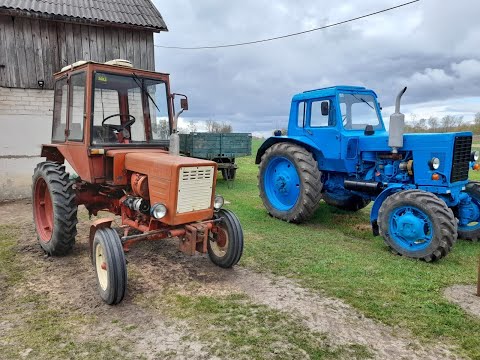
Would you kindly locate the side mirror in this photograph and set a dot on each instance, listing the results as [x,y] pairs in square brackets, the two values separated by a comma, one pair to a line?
[325,109]
[184,104]
[369,130]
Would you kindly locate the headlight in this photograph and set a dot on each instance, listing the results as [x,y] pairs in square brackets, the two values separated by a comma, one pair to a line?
[158,211]
[218,202]
[475,155]
[434,163]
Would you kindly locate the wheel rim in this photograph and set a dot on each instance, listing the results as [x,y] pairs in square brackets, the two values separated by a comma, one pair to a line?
[411,228]
[101,266]
[43,211]
[282,183]
[472,213]
[219,243]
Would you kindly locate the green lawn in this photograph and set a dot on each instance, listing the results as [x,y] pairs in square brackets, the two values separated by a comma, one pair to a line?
[335,252]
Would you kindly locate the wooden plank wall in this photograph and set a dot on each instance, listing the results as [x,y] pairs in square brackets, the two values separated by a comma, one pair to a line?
[33,49]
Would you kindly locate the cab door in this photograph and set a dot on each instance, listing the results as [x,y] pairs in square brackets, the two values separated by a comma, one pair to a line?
[322,128]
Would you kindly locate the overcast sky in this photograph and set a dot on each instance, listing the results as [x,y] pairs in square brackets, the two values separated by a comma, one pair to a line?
[431,46]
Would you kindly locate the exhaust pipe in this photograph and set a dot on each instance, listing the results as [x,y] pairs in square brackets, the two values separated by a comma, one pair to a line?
[368,187]
[397,125]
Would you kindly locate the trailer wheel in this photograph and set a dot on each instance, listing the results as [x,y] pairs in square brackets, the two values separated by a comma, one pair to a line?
[347,202]
[290,183]
[110,266]
[229,174]
[471,231]
[417,224]
[225,245]
[54,208]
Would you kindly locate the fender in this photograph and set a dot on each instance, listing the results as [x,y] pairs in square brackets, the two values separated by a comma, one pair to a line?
[392,188]
[299,140]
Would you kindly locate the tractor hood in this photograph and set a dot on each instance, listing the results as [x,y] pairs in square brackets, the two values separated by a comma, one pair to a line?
[452,149]
[412,142]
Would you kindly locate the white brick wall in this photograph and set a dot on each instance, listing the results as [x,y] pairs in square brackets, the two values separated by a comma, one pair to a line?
[25,124]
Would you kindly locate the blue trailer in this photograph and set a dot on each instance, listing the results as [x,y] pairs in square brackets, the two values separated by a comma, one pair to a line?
[339,150]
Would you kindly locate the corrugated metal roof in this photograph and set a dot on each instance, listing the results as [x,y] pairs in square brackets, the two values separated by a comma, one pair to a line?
[141,13]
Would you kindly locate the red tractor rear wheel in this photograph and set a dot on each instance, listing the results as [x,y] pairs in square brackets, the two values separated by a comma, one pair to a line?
[54,208]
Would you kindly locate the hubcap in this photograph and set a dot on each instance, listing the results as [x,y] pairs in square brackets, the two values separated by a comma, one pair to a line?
[43,211]
[101,266]
[282,183]
[219,243]
[411,228]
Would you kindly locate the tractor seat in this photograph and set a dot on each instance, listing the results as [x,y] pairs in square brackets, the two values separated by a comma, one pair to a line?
[103,135]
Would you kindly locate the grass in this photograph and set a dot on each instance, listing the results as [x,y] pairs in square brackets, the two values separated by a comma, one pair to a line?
[336,253]
[236,328]
[10,270]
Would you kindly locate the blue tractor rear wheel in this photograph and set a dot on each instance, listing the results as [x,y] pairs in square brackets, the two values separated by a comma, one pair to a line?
[290,183]
[417,224]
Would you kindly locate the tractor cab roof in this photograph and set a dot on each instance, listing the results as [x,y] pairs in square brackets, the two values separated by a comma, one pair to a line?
[330,91]
[116,65]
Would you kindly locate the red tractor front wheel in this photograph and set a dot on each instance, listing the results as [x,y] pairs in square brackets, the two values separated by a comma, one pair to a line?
[54,208]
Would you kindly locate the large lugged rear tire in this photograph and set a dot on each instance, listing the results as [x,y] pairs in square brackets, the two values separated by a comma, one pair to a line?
[110,266]
[417,224]
[225,245]
[347,202]
[290,182]
[54,208]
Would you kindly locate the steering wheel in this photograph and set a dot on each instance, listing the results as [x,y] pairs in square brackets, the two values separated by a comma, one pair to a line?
[118,128]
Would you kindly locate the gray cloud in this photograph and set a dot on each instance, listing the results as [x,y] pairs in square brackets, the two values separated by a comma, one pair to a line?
[432,47]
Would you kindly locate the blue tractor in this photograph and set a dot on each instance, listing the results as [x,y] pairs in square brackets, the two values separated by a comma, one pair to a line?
[339,150]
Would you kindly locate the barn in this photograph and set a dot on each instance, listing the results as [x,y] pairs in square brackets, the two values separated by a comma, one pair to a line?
[37,39]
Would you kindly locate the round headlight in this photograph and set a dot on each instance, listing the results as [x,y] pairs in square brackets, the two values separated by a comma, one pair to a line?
[475,155]
[158,211]
[218,202]
[435,163]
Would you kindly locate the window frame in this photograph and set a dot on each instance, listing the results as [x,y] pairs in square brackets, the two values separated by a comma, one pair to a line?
[66,77]
[145,99]
[70,106]
[330,114]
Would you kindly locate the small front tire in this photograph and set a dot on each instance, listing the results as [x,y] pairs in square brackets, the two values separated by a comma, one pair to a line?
[110,266]
[225,243]
[417,224]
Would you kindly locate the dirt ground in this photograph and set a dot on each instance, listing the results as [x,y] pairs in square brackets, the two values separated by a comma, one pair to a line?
[67,285]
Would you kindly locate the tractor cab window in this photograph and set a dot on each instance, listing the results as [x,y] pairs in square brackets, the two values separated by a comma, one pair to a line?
[127,109]
[60,110]
[321,117]
[358,111]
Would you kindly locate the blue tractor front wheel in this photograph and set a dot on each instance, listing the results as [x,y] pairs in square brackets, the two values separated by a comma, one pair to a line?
[290,183]
[417,224]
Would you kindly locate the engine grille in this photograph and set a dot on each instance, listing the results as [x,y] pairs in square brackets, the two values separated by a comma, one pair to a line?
[461,158]
[195,187]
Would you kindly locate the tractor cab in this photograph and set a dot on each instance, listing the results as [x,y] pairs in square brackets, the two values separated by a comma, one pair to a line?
[99,108]
[112,104]
[335,119]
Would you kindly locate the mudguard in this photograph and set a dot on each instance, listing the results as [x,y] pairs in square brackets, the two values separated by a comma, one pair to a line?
[302,141]
[392,188]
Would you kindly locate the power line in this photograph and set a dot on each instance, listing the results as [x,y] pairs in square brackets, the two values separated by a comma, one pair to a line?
[288,35]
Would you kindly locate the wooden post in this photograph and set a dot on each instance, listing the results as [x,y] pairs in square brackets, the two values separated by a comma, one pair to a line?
[478,281]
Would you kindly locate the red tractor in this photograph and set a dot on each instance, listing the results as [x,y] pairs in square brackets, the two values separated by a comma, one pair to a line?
[115,126]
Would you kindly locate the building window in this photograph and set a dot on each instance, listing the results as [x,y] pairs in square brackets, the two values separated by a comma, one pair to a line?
[77,107]
[60,110]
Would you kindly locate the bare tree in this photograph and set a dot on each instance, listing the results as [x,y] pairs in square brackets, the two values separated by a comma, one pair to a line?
[192,127]
[432,123]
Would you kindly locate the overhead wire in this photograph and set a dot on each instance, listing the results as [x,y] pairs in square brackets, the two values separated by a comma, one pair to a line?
[291,34]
